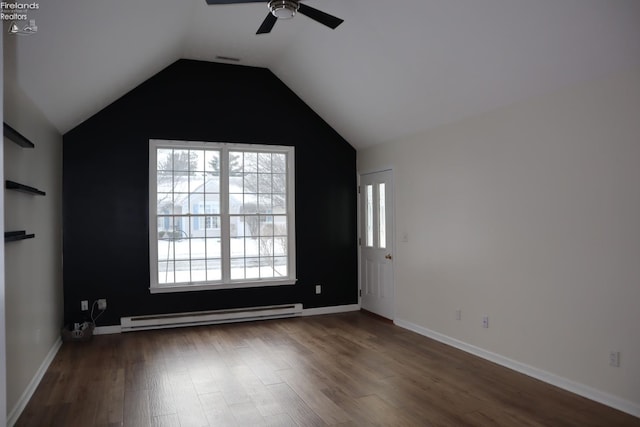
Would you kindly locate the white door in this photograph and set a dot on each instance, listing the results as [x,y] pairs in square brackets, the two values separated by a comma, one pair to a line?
[376,243]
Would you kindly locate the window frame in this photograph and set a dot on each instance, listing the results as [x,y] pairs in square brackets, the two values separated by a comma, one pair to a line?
[226,282]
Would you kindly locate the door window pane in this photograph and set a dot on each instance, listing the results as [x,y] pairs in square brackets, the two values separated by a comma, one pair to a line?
[369,217]
[382,218]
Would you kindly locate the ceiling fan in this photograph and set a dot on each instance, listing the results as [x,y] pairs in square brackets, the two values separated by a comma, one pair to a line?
[286,9]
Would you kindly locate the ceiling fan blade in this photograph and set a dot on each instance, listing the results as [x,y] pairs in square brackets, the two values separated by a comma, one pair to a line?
[210,2]
[267,24]
[318,15]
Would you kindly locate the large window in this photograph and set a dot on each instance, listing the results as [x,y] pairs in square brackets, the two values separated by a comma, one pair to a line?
[220,215]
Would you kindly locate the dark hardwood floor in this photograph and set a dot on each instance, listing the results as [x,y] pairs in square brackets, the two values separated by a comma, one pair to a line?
[346,369]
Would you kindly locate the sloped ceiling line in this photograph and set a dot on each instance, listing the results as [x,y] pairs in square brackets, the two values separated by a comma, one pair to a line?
[386,72]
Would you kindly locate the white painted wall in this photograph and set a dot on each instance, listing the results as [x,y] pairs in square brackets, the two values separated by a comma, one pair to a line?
[531,215]
[33,268]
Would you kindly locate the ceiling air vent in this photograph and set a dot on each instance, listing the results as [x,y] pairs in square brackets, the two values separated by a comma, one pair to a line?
[227,58]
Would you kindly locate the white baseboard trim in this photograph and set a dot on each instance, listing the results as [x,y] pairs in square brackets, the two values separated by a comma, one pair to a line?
[553,379]
[330,310]
[106,330]
[13,416]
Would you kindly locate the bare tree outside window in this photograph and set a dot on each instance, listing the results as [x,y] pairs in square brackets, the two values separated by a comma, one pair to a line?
[259,181]
[197,220]
[174,168]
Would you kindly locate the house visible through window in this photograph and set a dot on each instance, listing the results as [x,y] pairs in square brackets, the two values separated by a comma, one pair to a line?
[221,215]
[211,222]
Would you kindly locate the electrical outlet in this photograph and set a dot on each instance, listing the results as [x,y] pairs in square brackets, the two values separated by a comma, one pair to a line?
[102,304]
[84,305]
[318,289]
[458,314]
[485,321]
[614,359]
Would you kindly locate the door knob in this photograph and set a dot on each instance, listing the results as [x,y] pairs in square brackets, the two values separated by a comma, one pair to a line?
[388,256]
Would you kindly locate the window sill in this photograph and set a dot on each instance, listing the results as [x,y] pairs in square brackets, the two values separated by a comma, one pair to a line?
[185,287]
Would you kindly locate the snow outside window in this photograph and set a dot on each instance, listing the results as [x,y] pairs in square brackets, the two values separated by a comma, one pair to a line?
[221,215]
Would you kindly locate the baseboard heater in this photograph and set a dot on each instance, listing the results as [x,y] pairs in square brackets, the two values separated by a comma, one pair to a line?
[195,318]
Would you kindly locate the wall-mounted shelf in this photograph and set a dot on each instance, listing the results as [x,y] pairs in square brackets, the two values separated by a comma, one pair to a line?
[12,185]
[12,236]
[16,136]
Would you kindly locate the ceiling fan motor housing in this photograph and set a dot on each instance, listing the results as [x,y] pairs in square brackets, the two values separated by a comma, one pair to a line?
[284,9]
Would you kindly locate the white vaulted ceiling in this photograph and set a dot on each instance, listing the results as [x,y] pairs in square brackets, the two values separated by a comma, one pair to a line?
[392,69]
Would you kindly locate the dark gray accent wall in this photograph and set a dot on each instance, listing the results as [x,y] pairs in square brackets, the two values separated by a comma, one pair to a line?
[105,189]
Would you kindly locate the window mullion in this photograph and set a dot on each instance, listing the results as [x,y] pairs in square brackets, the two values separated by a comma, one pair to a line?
[225,227]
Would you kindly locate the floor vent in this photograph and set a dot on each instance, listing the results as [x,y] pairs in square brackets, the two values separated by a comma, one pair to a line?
[174,320]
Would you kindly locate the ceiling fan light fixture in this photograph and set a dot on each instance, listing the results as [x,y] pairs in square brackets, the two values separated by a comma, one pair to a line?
[283,9]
